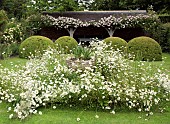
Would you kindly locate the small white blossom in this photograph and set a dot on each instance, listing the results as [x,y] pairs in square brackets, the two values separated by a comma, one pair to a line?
[112,112]
[54,107]
[11,116]
[96,116]
[78,119]
[40,113]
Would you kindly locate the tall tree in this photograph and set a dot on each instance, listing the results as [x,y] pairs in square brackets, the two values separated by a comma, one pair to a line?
[157,5]
[3,21]
[14,8]
[21,8]
[52,5]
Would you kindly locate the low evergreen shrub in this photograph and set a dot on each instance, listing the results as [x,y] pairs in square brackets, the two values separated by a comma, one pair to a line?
[66,44]
[145,49]
[116,43]
[34,46]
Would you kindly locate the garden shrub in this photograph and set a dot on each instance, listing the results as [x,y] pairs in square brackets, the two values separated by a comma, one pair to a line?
[154,30]
[165,41]
[34,23]
[14,48]
[113,83]
[116,43]
[164,18]
[66,44]
[81,52]
[8,50]
[13,32]
[145,49]
[34,46]
[5,51]
[3,21]
[11,39]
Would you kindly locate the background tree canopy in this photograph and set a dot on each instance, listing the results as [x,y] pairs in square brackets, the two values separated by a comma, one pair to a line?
[23,8]
[161,6]
[3,21]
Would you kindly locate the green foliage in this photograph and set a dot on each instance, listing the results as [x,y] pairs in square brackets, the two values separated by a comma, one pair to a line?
[165,37]
[10,39]
[34,23]
[165,18]
[154,29]
[5,51]
[23,8]
[158,32]
[82,53]
[3,21]
[15,8]
[78,51]
[8,50]
[55,5]
[66,44]
[86,53]
[14,48]
[13,32]
[34,46]
[145,49]
[116,43]
[160,6]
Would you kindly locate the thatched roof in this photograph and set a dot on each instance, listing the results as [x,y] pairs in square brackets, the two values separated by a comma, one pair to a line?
[95,15]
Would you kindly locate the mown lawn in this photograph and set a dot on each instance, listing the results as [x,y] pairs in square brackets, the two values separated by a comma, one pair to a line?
[12,62]
[69,116]
[65,115]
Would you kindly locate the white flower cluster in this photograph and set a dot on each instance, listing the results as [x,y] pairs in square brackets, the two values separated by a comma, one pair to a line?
[66,22]
[110,21]
[107,22]
[113,80]
[128,21]
[13,34]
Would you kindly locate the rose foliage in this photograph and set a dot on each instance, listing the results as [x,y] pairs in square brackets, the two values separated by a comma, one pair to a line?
[144,21]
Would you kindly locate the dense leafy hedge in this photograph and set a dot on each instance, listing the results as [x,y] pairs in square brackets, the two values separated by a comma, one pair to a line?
[3,20]
[165,34]
[66,44]
[164,18]
[8,50]
[34,46]
[145,48]
[116,43]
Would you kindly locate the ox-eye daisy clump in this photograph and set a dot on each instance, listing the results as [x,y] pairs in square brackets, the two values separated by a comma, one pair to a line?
[110,83]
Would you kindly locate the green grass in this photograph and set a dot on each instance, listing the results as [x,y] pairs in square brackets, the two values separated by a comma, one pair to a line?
[67,115]
[167,61]
[11,62]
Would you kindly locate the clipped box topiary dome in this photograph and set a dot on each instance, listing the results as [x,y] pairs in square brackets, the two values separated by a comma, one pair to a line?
[66,43]
[116,43]
[145,49]
[34,46]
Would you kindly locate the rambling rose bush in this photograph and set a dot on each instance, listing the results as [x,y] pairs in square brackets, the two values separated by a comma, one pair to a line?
[111,22]
[111,83]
